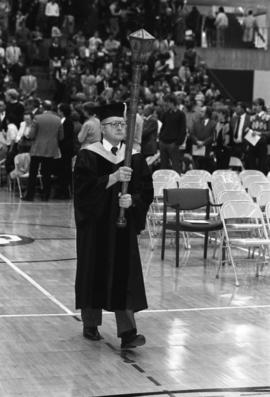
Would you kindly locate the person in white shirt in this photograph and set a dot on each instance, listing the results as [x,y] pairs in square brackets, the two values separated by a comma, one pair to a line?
[10,142]
[52,13]
[221,23]
[13,53]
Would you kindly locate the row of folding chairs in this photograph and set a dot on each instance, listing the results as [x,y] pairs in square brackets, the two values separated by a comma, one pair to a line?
[233,194]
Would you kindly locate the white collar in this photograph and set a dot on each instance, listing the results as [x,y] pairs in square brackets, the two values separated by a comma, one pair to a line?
[261,113]
[98,148]
[108,146]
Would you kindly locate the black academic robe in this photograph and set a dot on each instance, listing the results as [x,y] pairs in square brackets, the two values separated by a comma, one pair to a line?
[109,272]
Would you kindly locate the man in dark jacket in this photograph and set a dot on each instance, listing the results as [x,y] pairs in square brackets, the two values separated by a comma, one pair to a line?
[172,135]
[67,151]
[149,132]
[109,273]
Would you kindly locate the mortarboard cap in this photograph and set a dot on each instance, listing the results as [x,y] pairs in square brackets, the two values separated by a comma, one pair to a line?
[112,110]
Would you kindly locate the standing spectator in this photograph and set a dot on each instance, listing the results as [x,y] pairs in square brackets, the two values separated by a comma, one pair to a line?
[13,53]
[259,127]
[194,22]
[239,126]
[250,29]
[109,274]
[221,23]
[210,29]
[28,84]
[150,131]
[11,136]
[202,136]
[222,141]
[15,109]
[172,135]
[46,133]
[52,13]
[67,151]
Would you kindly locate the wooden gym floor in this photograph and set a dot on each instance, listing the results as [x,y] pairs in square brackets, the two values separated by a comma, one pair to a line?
[205,337]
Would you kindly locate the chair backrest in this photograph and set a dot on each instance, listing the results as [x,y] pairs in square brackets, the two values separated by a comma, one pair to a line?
[267,214]
[235,162]
[162,174]
[263,198]
[202,173]
[22,163]
[227,177]
[160,185]
[241,209]
[255,188]
[233,195]
[246,173]
[249,179]
[193,185]
[186,199]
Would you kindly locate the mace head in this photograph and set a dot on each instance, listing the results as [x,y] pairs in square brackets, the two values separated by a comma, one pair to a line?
[141,43]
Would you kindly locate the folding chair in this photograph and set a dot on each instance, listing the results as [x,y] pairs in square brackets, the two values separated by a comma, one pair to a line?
[162,179]
[233,195]
[202,173]
[250,179]
[182,200]
[255,188]
[244,228]
[243,174]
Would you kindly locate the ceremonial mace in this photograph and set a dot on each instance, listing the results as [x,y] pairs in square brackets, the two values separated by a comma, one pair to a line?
[141,43]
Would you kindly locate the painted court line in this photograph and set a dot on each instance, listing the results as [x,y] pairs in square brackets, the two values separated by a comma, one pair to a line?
[154,311]
[36,285]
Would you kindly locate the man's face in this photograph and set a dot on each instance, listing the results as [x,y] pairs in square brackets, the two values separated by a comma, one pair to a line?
[239,110]
[114,130]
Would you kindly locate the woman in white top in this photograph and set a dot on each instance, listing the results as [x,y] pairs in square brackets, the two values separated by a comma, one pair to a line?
[10,140]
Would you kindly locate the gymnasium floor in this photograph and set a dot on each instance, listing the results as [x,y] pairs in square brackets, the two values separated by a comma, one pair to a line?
[205,337]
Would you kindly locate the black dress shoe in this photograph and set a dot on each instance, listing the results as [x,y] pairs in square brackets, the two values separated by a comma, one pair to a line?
[133,341]
[91,333]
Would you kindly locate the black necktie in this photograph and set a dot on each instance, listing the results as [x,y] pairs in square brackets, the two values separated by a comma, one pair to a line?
[236,127]
[114,150]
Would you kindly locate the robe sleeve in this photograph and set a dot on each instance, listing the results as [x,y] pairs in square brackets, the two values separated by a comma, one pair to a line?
[89,188]
[141,191]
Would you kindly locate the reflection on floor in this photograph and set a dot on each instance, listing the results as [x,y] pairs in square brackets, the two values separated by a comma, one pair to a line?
[205,337]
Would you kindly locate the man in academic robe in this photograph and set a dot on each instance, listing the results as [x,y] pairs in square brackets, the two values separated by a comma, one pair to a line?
[109,272]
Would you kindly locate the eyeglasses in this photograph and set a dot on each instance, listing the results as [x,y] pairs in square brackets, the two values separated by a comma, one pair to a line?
[117,124]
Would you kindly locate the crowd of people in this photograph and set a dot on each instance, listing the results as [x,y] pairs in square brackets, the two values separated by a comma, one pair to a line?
[183,119]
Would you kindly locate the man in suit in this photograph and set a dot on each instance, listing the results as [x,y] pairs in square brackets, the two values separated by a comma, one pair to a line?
[28,84]
[46,132]
[149,133]
[67,151]
[239,125]
[202,136]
